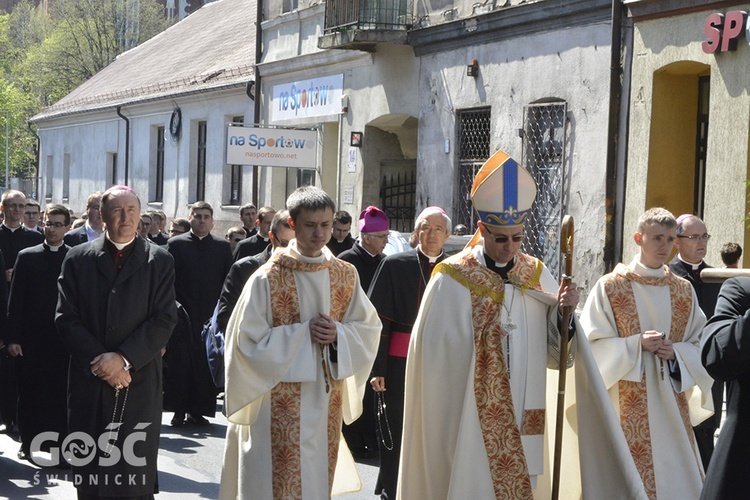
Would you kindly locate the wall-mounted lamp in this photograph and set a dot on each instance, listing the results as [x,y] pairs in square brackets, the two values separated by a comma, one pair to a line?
[473,69]
[344,103]
[356,139]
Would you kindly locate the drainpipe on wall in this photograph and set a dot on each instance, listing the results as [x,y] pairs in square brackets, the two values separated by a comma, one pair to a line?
[256,100]
[127,142]
[612,254]
[37,149]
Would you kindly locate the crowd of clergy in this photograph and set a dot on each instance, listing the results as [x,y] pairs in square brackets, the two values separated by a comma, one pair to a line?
[443,367]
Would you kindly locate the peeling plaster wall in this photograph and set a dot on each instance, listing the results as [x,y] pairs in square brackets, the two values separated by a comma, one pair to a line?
[572,65]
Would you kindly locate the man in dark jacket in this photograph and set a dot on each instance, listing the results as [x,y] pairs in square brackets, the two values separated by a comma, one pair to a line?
[92,228]
[201,262]
[725,351]
[116,312]
[255,244]
[32,337]
[366,256]
[691,243]
[341,239]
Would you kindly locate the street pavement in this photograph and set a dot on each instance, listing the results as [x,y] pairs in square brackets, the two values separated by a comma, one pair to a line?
[190,460]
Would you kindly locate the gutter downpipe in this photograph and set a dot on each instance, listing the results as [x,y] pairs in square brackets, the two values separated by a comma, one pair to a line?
[615,93]
[127,142]
[37,151]
[256,100]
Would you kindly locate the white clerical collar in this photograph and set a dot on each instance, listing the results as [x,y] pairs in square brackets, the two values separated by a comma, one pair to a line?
[53,248]
[118,246]
[644,270]
[199,237]
[292,248]
[13,229]
[694,266]
[432,260]
[366,250]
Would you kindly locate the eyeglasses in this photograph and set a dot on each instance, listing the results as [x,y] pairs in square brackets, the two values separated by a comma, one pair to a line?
[381,236]
[502,239]
[695,237]
[56,225]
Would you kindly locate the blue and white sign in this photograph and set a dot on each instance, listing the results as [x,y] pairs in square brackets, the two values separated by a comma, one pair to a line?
[272,147]
[307,98]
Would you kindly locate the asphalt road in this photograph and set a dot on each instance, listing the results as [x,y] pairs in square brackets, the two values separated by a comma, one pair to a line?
[190,460]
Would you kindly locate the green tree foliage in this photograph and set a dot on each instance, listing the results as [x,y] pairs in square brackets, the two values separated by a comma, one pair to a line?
[44,56]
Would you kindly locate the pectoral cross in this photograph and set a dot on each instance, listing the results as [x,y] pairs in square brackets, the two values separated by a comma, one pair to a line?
[509,326]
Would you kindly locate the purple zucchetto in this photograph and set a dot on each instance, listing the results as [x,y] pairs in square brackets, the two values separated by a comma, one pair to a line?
[372,220]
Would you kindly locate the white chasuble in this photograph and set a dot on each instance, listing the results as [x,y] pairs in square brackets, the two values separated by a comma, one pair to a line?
[470,430]
[656,410]
[285,395]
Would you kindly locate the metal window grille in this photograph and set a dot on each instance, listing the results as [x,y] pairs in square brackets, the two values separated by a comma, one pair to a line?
[368,14]
[397,197]
[200,171]
[544,147]
[473,151]
[159,188]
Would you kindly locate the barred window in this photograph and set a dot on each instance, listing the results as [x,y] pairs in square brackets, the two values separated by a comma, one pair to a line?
[544,147]
[200,171]
[473,150]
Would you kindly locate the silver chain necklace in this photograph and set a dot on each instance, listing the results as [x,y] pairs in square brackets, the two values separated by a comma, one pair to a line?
[509,327]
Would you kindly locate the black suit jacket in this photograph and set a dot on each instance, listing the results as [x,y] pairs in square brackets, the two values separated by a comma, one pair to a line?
[76,236]
[365,263]
[726,355]
[250,246]
[238,275]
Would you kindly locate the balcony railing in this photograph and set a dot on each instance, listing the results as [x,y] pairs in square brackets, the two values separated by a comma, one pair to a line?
[368,15]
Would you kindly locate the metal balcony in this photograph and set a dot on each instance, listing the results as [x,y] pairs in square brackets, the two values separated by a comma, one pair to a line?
[362,24]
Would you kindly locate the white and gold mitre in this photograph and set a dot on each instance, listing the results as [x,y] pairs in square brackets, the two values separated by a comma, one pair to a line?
[503,192]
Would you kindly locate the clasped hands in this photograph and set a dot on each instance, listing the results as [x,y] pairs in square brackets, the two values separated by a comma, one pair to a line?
[657,343]
[110,367]
[323,329]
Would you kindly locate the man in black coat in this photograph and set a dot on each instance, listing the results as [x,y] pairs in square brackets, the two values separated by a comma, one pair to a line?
[725,350]
[32,336]
[341,239]
[281,234]
[201,261]
[14,237]
[396,293]
[116,312]
[93,228]
[258,242]
[691,243]
[366,255]
[248,216]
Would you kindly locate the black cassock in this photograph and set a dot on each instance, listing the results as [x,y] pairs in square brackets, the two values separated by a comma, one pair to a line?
[707,294]
[396,293]
[130,310]
[238,275]
[43,369]
[361,435]
[250,246]
[725,353]
[365,263]
[200,268]
[12,242]
[336,248]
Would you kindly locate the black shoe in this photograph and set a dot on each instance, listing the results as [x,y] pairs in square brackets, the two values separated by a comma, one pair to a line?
[197,420]
[178,420]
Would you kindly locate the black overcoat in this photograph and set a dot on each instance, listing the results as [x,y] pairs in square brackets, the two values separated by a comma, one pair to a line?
[726,355]
[133,313]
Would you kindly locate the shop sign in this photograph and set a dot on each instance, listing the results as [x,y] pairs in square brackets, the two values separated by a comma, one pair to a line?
[272,147]
[724,30]
[307,98]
